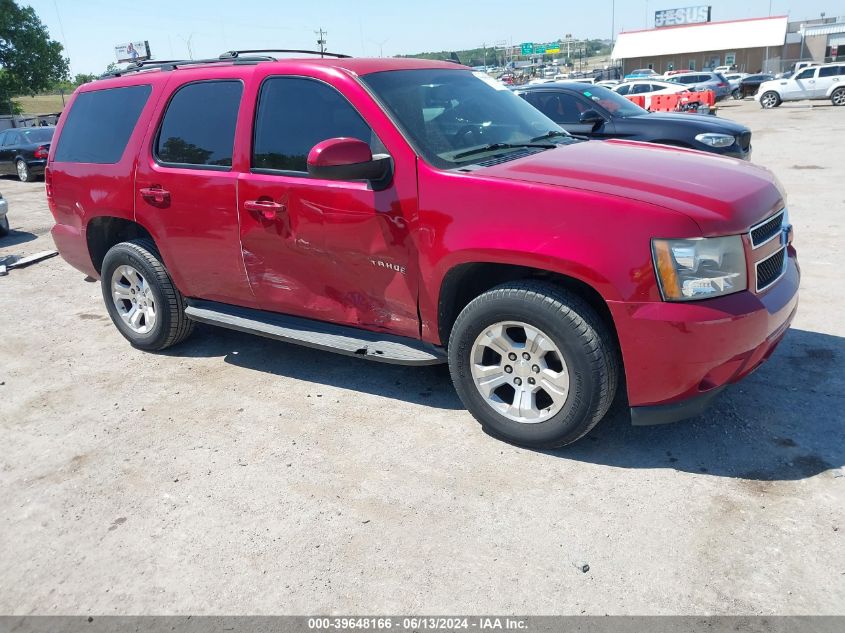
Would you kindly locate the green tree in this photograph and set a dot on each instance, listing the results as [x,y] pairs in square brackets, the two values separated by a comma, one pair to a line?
[29,60]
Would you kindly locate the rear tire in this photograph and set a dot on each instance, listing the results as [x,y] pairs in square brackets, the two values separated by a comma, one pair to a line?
[23,172]
[770,99]
[4,226]
[533,363]
[736,94]
[142,301]
[837,97]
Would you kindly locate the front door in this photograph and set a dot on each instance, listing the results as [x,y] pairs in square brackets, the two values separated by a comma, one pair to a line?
[565,109]
[801,86]
[186,190]
[328,250]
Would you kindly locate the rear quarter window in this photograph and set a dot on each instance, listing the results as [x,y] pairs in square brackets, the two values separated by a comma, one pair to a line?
[98,126]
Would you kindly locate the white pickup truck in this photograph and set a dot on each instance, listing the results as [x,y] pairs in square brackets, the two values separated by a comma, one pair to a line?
[816,82]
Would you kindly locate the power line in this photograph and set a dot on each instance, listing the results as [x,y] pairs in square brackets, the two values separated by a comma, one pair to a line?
[321,40]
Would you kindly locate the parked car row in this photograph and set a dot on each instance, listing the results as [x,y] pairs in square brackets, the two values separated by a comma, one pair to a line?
[23,151]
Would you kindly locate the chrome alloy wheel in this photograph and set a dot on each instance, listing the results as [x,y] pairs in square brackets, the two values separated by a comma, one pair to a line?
[769,100]
[838,97]
[23,171]
[520,372]
[133,299]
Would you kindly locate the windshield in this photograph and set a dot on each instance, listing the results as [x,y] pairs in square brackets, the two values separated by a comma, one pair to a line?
[448,113]
[611,101]
[42,135]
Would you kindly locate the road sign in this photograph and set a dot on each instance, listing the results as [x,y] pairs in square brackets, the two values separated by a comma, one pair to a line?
[527,48]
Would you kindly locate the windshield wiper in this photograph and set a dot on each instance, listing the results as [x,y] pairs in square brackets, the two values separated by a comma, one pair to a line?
[494,146]
[549,134]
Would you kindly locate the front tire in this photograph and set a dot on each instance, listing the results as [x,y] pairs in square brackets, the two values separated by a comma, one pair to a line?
[22,169]
[4,226]
[533,363]
[837,97]
[770,99]
[142,301]
[736,94]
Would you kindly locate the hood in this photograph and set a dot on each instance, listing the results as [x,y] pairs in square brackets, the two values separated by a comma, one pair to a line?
[695,123]
[722,195]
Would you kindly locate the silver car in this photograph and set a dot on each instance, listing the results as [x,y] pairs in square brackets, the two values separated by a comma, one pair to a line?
[697,81]
[4,220]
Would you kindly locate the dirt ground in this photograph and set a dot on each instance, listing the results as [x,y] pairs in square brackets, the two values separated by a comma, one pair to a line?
[234,475]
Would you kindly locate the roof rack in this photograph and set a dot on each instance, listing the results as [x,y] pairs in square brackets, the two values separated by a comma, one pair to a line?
[173,64]
[237,54]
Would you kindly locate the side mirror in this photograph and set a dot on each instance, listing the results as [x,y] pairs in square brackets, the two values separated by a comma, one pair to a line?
[349,159]
[591,117]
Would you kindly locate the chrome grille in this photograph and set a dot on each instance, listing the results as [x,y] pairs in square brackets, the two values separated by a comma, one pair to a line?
[767,230]
[769,270]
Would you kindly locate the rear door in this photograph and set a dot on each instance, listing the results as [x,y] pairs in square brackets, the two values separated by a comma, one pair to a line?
[186,189]
[827,78]
[8,151]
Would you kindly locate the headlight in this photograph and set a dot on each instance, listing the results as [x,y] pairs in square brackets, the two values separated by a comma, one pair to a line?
[716,140]
[699,268]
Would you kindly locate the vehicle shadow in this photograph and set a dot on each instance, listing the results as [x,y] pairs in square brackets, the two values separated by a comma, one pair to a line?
[17,237]
[427,385]
[784,422]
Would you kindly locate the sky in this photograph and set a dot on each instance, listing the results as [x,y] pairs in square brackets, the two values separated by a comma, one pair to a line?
[89,29]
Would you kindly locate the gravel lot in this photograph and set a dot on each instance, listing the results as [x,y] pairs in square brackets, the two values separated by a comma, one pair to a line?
[235,475]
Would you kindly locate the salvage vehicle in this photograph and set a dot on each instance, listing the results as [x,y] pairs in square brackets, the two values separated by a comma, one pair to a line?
[816,82]
[598,113]
[413,211]
[748,86]
[649,87]
[23,151]
[4,216]
[698,81]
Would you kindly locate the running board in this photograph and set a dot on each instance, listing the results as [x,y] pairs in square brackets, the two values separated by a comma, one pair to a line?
[329,337]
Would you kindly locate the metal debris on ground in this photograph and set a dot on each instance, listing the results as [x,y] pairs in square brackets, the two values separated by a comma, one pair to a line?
[13,261]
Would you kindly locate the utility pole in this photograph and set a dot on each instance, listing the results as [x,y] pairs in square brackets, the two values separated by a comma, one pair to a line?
[380,44]
[321,40]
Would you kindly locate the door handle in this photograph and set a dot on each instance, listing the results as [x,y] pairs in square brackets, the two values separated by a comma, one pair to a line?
[267,208]
[155,195]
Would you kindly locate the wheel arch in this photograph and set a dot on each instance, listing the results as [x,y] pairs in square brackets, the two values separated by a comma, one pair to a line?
[104,231]
[463,282]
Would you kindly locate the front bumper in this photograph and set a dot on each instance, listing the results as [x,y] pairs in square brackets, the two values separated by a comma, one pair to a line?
[679,355]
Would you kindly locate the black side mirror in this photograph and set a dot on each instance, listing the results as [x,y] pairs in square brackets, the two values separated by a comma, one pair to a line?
[591,117]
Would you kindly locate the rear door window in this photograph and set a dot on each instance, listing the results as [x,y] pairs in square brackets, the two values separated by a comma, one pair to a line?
[98,126]
[831,71]
[198,128]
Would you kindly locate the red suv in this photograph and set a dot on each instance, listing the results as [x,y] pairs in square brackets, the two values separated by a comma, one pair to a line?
[417,212]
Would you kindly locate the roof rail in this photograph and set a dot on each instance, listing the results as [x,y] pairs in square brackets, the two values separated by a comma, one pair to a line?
[173,64]
[236,54]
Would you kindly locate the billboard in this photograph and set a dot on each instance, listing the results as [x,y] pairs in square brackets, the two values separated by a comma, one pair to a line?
[677,17]
[132,51]
[530,48]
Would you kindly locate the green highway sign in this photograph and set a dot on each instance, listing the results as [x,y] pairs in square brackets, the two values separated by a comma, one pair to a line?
[527,48]
[530,48]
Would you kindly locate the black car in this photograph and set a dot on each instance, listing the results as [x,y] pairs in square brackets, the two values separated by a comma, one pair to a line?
[599,113]
[23,151]
[749,85]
